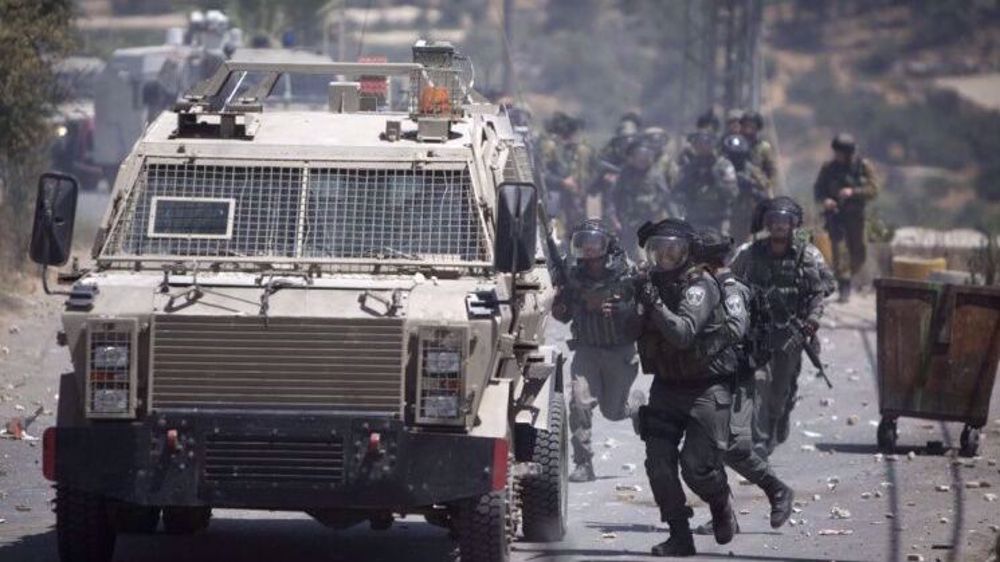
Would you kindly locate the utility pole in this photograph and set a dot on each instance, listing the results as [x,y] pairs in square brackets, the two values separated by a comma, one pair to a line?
[721,55]
[508,63]
[342,32]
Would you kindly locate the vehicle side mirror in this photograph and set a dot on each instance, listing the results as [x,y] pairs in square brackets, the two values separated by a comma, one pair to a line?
[517,227]
[55,212]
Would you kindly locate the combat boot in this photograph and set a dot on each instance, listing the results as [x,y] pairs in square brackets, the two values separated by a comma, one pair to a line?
[636,401]
[707,529]
[843,290]
[781,497]
[723,519]
[583,472]
[680,543]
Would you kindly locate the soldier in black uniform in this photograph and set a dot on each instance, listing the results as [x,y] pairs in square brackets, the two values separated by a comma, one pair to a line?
[684,343]
[753,354]
[598,299]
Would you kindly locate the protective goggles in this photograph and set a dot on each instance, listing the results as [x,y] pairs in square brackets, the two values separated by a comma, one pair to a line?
[667,253]
[589,244]
[779,217]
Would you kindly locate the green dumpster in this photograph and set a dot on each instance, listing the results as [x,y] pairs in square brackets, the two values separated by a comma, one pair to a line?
[938,346]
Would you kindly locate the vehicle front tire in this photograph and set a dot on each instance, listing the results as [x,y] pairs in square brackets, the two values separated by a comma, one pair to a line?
[544,496]
[84,530]
[482,525]
[186,520]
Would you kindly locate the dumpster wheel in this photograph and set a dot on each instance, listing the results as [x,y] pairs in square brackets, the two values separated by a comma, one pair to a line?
[969,441]
[887,435]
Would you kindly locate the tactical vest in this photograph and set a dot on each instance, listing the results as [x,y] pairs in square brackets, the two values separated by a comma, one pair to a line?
[781,279]
[711,357]
[704,200]
[849,175]
[590,326]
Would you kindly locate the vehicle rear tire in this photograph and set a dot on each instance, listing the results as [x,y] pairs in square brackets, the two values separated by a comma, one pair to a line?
[482,525]
[969,441]
[186,520]
[544,496]
[887,435]
[84,531]
[134,519]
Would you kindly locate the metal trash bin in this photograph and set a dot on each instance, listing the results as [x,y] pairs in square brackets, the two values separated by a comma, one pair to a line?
[938,346]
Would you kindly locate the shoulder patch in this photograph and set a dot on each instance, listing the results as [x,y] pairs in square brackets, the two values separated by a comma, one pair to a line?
[694,295]
[734,305]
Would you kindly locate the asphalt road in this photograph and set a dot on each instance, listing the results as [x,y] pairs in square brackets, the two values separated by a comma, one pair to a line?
[895,508]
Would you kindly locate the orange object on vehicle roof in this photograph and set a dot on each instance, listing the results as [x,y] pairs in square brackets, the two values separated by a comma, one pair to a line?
[435,100]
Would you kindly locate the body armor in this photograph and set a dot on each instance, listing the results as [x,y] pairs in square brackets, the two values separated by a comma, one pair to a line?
[590,326]
[710,358]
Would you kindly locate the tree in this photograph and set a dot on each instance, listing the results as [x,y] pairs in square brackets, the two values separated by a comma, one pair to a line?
[34,35]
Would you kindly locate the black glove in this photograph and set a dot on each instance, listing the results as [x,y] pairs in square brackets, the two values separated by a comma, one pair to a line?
[647,295]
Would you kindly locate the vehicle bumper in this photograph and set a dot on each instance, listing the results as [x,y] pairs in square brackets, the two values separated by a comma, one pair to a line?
[274,462]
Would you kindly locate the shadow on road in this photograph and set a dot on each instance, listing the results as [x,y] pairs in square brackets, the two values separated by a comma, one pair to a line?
[871,449]
[598,554]
[30,548]
[246,540]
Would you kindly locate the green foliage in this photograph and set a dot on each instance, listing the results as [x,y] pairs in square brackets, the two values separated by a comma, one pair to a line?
[944,21]
[34,34]
[940,131]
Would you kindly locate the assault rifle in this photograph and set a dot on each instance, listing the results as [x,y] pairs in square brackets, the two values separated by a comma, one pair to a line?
[799,338]
[796,326]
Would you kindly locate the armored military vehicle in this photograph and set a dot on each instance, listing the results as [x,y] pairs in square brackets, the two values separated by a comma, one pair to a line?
[339,312]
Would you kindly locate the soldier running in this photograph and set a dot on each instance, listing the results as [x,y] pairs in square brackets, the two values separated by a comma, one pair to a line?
[684,343]
[790,280]
[740,455]
[640,189]
[844,187]
[754,185]
[598,299]
[707,185]
[566,161]
[762,154]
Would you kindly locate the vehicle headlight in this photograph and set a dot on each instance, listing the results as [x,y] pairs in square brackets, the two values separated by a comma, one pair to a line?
[440,362]
[110,357]
[441,380]
[111,368]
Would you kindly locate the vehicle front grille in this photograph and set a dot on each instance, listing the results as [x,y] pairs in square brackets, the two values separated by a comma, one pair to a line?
[287,364]
[246,460]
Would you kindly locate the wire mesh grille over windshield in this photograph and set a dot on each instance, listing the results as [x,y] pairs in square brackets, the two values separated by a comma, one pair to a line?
[295,212]
[394,213]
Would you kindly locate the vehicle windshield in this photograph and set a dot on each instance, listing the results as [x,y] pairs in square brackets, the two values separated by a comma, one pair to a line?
[292,213]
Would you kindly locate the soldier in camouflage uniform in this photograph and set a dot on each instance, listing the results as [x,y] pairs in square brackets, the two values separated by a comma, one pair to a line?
[762,154]
[684,343]
[639,192]
[707,186]
[740,455]
[790,281]
[598,299]
[566,163]
[611,157]
[754,185]
[844,187]
[734,125]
